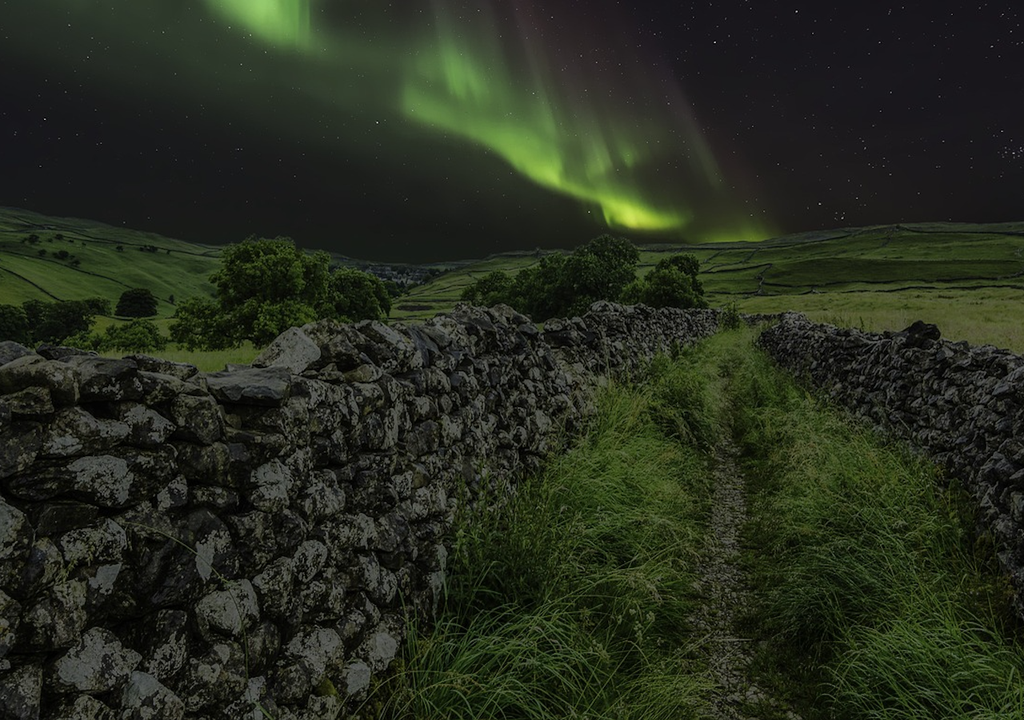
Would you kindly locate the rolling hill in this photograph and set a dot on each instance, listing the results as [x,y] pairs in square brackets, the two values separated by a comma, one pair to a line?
[968,278]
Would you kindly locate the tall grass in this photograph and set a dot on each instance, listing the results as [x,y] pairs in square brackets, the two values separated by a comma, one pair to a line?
[872,580]
[572,600]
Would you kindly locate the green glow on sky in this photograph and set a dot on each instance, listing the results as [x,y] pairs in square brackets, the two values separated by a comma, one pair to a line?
[461,83]
[283,23]
[470,105]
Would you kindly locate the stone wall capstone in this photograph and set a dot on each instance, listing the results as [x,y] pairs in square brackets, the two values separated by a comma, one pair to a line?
[177,544]
[961,405]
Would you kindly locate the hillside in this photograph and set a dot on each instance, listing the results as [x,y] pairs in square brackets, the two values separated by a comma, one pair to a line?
[100,261]
[967,278]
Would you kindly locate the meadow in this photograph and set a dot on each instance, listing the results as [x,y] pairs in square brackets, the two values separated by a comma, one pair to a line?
[966,278]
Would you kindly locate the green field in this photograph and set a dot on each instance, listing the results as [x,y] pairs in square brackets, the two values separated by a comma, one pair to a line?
[168,268]
[966,278]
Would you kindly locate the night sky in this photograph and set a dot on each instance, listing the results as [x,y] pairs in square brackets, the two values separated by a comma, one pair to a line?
[436,129]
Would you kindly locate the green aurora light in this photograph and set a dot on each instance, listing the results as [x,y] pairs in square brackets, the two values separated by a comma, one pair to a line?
[463,81]
[283,23]
[574,112]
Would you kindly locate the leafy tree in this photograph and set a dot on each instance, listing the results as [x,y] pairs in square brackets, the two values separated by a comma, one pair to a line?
[137,302]
[561,285]
[62,254]
[672,283]
[41,252]
[493,288]
[266,286]
[54,322]
[14,324]
[200,325]
[136,336]
[355,295]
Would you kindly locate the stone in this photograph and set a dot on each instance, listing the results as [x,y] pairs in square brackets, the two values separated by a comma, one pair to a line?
[83,707]
[145,698]
[272,486]
[355,678]
[215,678]
[102,544]
[15,532]
[230,611]
[73,431]
[165,643]
[58,517]
[147,428]
[10,350]
[267,387]
[315,650]
[61,379]
[98,663]
[30,402]
[56,619]
[197,418]
[19,447]
[10,618]
[379,649]
[275,588]
[42,564]
[293,350]
[21,693]
[106,379]
[146,363]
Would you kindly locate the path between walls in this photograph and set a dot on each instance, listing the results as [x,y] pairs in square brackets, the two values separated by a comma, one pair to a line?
[725,587]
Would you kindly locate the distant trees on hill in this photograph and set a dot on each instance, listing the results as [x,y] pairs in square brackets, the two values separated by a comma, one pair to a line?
[265,286]
[137,303]
[603,269]
[36,322]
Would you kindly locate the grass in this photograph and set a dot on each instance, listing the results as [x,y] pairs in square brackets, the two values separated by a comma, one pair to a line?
[980,316]
[571,600]
[878,600]
[966,278]
[875,598]
[176,268]
[205,360]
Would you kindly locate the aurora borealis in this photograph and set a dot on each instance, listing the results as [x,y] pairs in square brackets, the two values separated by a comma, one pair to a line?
[449,128]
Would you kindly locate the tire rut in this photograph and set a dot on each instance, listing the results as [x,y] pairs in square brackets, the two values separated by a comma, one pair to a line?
[727,598]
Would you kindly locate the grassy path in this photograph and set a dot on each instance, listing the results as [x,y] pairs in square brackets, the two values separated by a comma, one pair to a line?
[720,546]
[725,587]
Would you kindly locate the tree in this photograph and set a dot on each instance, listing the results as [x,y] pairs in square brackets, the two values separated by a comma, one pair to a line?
[136,336]
[137,302]
[14,324]
[672,283]
[355,295]
[200,325]
[560,285]
[266,286]
[493,288]
[54,322]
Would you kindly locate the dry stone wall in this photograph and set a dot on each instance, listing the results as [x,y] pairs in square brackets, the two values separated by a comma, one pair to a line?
[961,405]
[177,544]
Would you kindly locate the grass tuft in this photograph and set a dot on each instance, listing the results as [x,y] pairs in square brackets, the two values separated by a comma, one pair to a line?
[572,600]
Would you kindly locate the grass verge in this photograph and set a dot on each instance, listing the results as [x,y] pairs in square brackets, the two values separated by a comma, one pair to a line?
[879,602]
[571,601]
